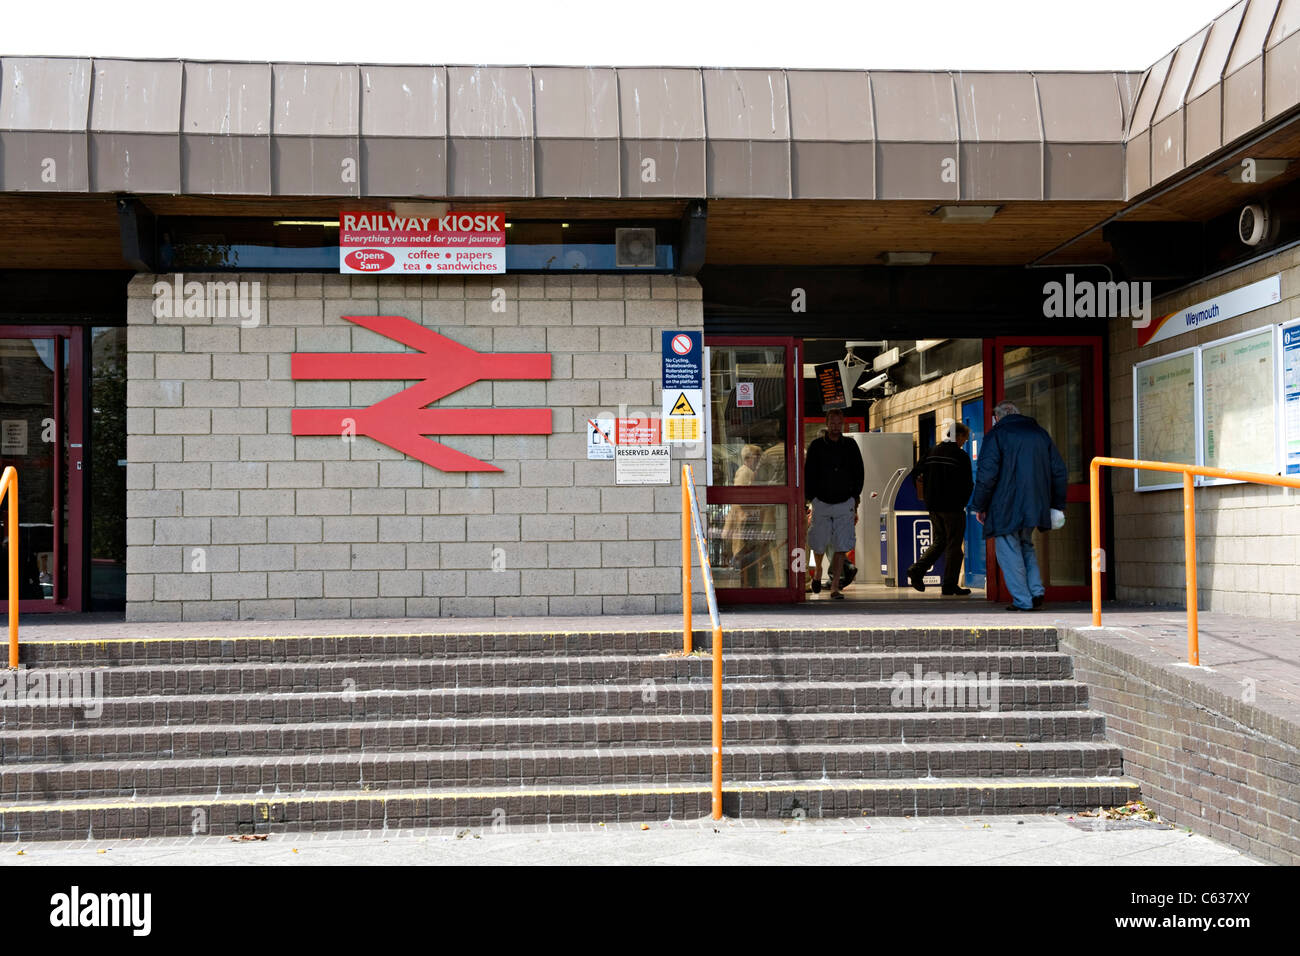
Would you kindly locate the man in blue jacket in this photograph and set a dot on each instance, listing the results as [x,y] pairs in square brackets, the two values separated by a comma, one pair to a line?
[1020,480]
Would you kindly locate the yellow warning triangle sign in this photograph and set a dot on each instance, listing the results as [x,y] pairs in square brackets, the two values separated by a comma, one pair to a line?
[683,407]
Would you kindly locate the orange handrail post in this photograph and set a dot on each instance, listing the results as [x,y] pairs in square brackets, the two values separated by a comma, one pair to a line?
[1189,556]
[9,487]
[1189,527]
[717,723]
[686,562]
[711,595]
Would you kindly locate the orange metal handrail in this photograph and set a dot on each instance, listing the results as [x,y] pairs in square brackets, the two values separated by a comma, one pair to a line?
[690,503]
[9,486]
[1189,527]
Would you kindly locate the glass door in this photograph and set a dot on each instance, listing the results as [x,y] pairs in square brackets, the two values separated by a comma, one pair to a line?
[754,495]
[1056,381]
[41,397]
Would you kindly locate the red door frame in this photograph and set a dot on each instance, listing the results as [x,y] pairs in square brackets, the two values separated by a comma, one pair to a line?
[1093,438]
[69,420]
[791,495]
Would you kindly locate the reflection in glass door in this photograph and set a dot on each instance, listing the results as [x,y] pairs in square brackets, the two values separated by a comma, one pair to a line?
[753,492]
[1058,383]
[40,436]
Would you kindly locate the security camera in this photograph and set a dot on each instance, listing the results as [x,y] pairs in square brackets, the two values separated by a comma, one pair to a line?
[1252,224]
[868,385]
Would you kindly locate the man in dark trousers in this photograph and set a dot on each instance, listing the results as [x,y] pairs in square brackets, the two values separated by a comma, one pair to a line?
[1021,480]
[944,480]
[833,478]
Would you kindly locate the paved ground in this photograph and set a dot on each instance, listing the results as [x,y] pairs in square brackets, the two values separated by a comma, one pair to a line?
[949,841]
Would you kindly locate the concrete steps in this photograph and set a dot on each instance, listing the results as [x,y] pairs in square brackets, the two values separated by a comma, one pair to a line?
[361,731]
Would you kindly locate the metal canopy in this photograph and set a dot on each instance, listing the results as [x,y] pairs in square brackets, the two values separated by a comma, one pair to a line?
[331,130]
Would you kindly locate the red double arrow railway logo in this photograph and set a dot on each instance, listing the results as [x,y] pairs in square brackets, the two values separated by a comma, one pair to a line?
[404,421]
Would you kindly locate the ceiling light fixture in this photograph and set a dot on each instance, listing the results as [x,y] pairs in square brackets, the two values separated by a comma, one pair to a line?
[966,213]
[908,258]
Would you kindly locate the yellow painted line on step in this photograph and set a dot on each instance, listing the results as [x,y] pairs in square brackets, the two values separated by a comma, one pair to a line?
[110,641]
[385,796]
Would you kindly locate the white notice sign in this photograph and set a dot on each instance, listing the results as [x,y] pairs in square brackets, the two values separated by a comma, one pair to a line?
[642,465]
[13,437]
[600,439]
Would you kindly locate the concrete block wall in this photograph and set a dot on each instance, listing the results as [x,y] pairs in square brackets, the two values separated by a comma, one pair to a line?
[1248,536]
[229,516]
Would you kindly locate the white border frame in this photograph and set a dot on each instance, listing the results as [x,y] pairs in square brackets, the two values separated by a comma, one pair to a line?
[1196,424]
[1282,329]
[1201,438]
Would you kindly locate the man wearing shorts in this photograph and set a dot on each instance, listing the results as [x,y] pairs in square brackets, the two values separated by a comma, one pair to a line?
[833,480]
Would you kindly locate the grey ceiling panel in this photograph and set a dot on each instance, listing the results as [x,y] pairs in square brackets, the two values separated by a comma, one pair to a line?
[226,165]
[1217,47]
[655,168]
[1083,170]
[1137,164]
[1243,100]
[746,105]
[135,163]
[404,101]
[1081,107]
[748,168]
[490,102]
[490,167]
[833,170]
[315,100]
[830,106]
[1167,157]
[403,166]
[997,107]
[227,99]
[576,102]
[1186,58]
[44,162]
[1282,77]
[996,171]
[130,96]
[44,94]
[1204,125]
[914,107]
[580,168]
[661,104]
[917,171]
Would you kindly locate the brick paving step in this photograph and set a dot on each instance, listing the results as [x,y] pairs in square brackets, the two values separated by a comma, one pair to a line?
[586,766]
[314,649]
[746,697]
[535,671]
[261,740]
[483,810]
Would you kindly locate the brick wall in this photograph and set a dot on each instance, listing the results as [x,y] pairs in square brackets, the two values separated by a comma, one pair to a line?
[1248,536]
[1206,758]
[230,516]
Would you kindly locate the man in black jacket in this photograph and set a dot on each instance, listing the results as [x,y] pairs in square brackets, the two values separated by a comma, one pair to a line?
[943,479]
[833,478]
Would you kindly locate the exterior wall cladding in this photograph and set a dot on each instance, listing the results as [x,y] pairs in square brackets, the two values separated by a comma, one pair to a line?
[230,516]
[1248,536]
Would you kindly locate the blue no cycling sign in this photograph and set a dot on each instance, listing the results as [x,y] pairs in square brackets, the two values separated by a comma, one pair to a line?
[683,359]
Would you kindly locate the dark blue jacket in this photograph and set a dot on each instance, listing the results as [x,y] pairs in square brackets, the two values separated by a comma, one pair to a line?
[1021,478]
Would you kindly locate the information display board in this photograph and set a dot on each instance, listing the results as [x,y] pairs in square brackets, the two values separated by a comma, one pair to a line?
[1165,417]
[1238,393]
[1290,398]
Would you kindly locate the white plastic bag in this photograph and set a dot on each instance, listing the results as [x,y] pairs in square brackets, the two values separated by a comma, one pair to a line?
[1058,520]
